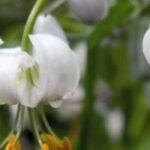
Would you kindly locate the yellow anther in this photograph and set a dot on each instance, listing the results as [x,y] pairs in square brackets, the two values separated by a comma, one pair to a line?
[67,144]
[54,143]
[44,147]
[10,145]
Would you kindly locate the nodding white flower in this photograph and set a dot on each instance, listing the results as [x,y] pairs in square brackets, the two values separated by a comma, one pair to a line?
[50,74]
[90,11]
[146,45]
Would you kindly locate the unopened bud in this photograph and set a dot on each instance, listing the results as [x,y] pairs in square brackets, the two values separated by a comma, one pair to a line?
[90,11]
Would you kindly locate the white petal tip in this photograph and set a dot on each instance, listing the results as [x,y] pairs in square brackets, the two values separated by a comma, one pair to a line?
[56,103]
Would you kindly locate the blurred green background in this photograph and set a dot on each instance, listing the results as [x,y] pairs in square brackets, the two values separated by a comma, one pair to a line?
[111,108]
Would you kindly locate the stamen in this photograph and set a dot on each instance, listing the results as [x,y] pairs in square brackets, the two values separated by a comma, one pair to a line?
[21,123]
[54,143]
[10,145]
[34,125]
[19,109]
[67,144]
[44,119]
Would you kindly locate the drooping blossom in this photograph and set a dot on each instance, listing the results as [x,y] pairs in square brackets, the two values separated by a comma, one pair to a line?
[49,74]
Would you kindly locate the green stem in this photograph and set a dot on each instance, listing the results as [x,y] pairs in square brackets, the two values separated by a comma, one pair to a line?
[34,124]
[30,24]
[88,107]
[44,119]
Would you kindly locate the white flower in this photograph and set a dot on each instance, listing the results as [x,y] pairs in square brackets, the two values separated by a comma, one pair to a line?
[146,45]
[58,71]
[50,74]
[115,123]
[90,10]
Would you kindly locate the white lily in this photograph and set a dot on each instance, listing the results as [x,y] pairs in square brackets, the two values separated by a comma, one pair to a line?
[58,71]
[146,45]
[49,75]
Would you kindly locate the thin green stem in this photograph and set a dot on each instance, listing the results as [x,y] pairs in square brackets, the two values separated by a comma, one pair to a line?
[18,112]
[34,124]
[30,24]
[20,123]
[6,139]
[44,119]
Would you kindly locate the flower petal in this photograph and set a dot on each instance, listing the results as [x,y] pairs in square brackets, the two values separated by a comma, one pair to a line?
[48,24]
[59,69]
[56,104]
[146,45]
[81,52]
[10,60]
[30,90]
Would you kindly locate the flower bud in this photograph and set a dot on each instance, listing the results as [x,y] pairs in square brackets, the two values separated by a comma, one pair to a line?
[146,46]
[90,11]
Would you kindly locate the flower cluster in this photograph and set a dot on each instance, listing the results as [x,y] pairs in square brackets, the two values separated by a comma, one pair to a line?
[43,70]
[49,74]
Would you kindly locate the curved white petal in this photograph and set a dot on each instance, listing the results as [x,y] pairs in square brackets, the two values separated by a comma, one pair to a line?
[49,25]
[58,71]
[146,45]
[56,103]
[10,60]
[81,52]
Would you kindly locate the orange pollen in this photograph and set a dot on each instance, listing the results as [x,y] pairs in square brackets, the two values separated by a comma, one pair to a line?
[44,147]
[10,145]
[67,144]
